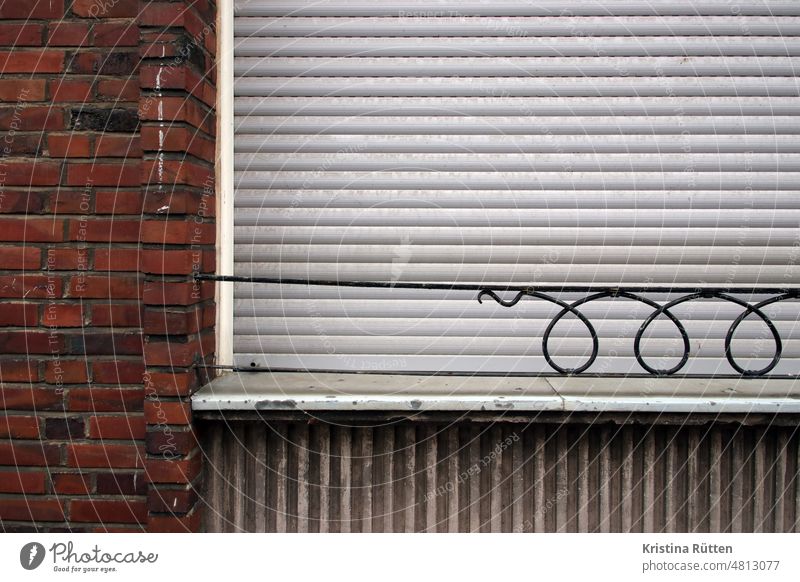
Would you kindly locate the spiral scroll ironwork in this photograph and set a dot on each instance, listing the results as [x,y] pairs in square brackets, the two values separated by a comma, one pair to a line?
[549,293]
[658,310]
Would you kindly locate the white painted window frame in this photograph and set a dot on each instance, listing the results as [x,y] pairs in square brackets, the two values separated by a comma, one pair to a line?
[225,179]
[291,390]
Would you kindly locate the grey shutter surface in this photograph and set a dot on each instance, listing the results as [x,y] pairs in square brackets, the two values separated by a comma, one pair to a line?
[511,142]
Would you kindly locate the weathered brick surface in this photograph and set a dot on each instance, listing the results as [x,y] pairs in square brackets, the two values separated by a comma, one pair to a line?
[102,224]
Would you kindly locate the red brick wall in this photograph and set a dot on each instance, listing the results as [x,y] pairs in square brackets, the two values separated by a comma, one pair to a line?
[106,209]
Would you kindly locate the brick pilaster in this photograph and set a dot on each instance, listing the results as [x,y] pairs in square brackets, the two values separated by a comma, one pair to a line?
[176,108]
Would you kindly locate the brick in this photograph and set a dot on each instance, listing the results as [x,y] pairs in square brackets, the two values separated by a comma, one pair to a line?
[105,8]
[173,470]
[30,399]
[114,259]
[19,314]
[32,10]
[106,400]
[66,372]
[32,508]
[66,90]
[17,454]
[116,34]
[63,315]
[68,146]
[68,201]
[30,286]
[178,353]
[170,441]
[119,202]
[172,262]
[30,342]
[117,146]
[163,500]
[19,371]
[164,523]
[116,119]
[117,427]
[108,510]
[158,412]
[162,14]
[112,62]
[118,372]
[106,343]
[178,139]
[177,109]
[178,201]
[97,230]
[72,483]
[32,173]
[172,321]
[31,61]
[31,230]
[105,455]
[103,174]
[65,428]
[18,35]
[118,483]
[176,293]
[20,258]
[67,259]
[118,89]
[111,315]
[21,202]
[171,384]
[19,427]
[27,482]
[172,171]
[104,287]
[19,90]
[177,232]
[23,145]
[66,33]
[30,118]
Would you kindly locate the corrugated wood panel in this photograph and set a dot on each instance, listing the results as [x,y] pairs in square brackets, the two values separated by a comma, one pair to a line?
[500,477]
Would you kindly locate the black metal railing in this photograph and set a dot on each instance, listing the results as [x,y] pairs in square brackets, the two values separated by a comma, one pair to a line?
[550,294]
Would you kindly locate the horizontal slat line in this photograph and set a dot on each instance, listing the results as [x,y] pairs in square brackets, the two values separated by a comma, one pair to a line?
[435,327]
[514,235]
[513,200]
[291,27]
[710,348]
[570,255]
[552,47]
[582,67]
[414,179]
[542,127]
[687,86]
[512,8]
[662,163]
[491,105]
[458,144]
[606,275]
[487,217]
[492,364]
[283,304]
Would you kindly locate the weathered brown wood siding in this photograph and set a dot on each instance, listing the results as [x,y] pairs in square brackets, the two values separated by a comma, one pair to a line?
[455,476]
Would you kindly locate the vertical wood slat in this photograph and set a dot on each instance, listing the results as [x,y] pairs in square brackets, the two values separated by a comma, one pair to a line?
[477,477]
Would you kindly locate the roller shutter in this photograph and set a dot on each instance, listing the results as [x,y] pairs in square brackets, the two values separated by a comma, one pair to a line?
[510,142]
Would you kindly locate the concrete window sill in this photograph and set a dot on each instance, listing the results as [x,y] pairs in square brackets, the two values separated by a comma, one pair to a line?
[306,391]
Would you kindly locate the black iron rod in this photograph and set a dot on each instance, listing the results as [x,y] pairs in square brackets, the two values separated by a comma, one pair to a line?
[475,287]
